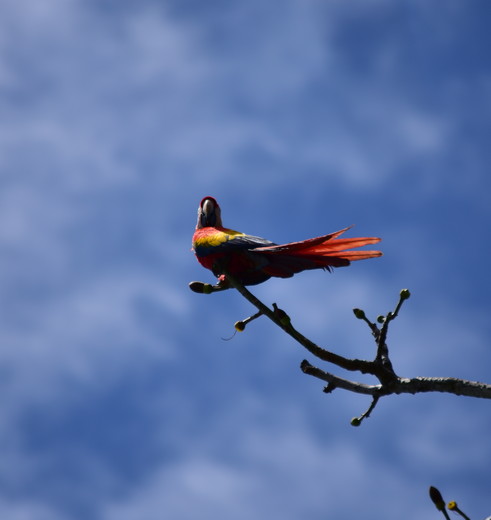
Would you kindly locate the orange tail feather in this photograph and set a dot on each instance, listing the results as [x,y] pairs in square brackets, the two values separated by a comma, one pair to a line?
[322,252]
[326,245]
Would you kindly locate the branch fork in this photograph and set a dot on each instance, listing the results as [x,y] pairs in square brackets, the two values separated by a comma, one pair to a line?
[380,367]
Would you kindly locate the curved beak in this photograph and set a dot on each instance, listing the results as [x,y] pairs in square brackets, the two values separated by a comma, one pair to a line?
[209,213]
[208,209]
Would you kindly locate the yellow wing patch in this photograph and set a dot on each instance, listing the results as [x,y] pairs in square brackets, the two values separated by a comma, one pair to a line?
[217,238]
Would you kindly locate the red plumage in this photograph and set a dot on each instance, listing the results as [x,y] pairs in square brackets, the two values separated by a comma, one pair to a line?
[252,260]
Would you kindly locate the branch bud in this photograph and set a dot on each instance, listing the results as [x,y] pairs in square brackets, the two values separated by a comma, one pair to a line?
[201,288]
[360,314]
[452,506]
[356,421]
[239,326]
[404,294]
[437,499]
[281,315]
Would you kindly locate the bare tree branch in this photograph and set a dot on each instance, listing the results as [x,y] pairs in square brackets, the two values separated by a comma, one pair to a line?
[404,385]
[380,367]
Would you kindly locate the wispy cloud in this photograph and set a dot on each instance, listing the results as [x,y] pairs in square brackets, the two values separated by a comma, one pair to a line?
[122,399]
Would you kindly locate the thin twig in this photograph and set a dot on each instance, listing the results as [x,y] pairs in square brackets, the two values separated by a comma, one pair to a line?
[380,367]
[358,365]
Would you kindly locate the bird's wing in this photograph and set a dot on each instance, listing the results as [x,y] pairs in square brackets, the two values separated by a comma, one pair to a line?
[214,240]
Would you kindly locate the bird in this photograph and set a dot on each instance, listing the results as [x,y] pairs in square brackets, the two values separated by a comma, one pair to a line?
[252,260]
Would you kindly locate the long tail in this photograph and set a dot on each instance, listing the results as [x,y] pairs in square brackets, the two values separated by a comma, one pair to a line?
[322,252]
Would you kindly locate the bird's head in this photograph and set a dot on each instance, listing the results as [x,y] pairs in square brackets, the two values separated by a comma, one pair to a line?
[209,214]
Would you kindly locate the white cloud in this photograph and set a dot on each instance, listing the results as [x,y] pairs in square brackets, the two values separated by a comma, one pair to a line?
[20,510]
[301,476]
[145,103]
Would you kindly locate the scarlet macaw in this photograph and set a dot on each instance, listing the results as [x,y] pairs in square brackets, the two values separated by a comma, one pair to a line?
[252,260]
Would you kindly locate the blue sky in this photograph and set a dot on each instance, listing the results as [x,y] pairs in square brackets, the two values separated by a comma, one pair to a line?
[120,400]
